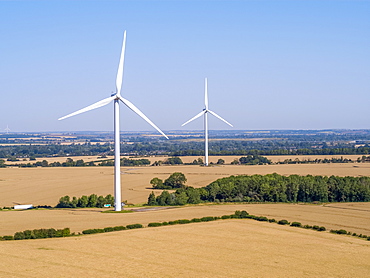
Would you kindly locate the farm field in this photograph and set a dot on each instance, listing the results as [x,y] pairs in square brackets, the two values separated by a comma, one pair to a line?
[353,217]
[44,186]
[188,159]
[229,248]
[241,248]
[274,158]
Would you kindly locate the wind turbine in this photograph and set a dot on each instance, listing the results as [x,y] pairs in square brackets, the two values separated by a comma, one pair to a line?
[7,129]
[116,97]
[205,113]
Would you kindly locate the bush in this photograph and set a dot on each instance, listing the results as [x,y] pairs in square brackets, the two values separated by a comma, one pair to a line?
[184,221]
[283,222]
[296,224]
[108,229]
[134,226]
[207,219]
[225,216]
[307,226]
[339,232]
[260,218]
[119,228]
[8,237]
[66,232]
[175,222]
[19,236]
[315,227]
[155,224]
[93,231]
[321,229]
[241,214]
[196,220]
[272,220]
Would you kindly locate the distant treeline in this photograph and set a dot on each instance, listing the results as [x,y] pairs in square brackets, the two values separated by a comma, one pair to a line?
[244,160]
[79,163]
[325,160]
[327,151]
[270,188]
[186,148]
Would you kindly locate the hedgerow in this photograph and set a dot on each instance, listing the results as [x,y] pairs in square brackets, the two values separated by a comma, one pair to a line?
[49,233]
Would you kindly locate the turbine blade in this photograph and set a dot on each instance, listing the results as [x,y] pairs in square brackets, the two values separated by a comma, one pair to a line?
[141,114]
[195,117]
[120,66]
[214,114]
[206,95]
[90,107]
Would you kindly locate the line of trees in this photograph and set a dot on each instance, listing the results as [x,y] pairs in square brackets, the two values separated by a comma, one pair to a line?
[80,163]
[362,159]
[301,145]
[92,201]
[42,233]
[49,233]
[277,151]
[252,159]
[270,188]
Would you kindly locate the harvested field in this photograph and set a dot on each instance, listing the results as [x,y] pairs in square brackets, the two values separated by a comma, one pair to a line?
[230,248]
[353,217]
[274,158]
[188,159]
[44,186]
[227,248]
[60,159]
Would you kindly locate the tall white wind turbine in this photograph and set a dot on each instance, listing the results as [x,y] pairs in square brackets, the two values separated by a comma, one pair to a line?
[205,112]
[116,97]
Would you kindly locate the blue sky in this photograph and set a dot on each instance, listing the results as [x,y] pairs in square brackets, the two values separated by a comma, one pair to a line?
[269,64]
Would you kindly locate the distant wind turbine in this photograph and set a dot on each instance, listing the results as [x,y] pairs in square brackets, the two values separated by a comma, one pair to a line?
[116,97]
[204,112]
[7,129]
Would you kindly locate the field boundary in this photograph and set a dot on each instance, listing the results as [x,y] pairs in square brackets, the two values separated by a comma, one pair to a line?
[52,233]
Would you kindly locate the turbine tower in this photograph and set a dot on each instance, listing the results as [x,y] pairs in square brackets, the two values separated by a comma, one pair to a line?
[116,97]
[205,113]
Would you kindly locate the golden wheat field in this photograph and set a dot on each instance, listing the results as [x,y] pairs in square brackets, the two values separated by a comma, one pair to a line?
[44,186]
[229,248]
[188,159]
[354,217]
